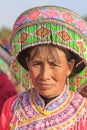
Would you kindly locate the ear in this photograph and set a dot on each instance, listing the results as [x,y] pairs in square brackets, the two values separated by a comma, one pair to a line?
[70,66]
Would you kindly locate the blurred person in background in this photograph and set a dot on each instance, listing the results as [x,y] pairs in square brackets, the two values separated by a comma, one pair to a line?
[7,87]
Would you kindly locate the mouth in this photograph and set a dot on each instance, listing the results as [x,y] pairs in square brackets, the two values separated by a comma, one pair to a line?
[44,86]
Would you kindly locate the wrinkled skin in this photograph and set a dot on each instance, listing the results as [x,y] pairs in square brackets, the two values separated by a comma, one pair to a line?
[49,75]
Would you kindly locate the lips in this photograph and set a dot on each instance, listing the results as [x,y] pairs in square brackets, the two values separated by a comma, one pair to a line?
[44,86]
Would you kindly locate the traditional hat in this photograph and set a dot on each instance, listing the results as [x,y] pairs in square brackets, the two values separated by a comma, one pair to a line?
[49,25]
[4,59]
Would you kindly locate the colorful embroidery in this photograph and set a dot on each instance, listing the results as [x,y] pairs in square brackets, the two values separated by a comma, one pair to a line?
[42,32]
[28,116]
[23,37]
[64,36]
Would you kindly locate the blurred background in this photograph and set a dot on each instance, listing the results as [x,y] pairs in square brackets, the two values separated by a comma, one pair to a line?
[11,9]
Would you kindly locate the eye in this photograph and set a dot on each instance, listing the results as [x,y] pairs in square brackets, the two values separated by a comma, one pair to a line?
[53,64]
[36,63]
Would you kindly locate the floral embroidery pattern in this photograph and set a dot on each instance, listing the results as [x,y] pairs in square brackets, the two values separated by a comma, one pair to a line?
[28,117]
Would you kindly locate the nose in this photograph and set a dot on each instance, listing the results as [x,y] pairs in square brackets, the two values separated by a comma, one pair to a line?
[45,72]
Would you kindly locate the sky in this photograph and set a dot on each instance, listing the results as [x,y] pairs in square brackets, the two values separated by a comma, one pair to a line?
[11,9]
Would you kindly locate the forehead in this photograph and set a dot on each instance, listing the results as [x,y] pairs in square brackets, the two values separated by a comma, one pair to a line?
[47,52]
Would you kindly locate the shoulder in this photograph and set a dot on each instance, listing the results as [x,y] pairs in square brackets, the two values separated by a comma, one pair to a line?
[21,97]
[77,96]
[9,101]
[78,101]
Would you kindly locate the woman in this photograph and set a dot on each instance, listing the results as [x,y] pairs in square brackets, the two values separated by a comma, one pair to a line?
[48,49]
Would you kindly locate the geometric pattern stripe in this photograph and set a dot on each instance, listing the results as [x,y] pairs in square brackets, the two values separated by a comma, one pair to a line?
[52,12]
[59,35]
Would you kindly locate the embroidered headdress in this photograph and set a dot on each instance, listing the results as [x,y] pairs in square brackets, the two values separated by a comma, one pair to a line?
[49,25]
[4,59]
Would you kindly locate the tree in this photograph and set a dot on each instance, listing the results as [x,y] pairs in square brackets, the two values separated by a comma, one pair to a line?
[4,35]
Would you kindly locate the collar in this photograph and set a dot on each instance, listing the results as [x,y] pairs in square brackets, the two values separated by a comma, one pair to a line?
[53,104]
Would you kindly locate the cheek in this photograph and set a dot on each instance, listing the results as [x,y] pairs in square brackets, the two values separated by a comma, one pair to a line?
[60,74]
[34,73]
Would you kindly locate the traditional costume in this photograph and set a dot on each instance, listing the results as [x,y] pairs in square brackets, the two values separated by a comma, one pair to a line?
[29,111]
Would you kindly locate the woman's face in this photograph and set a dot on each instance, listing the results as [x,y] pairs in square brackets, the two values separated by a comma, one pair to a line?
[49,72]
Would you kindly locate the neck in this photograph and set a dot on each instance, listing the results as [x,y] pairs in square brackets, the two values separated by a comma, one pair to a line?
[47,100]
